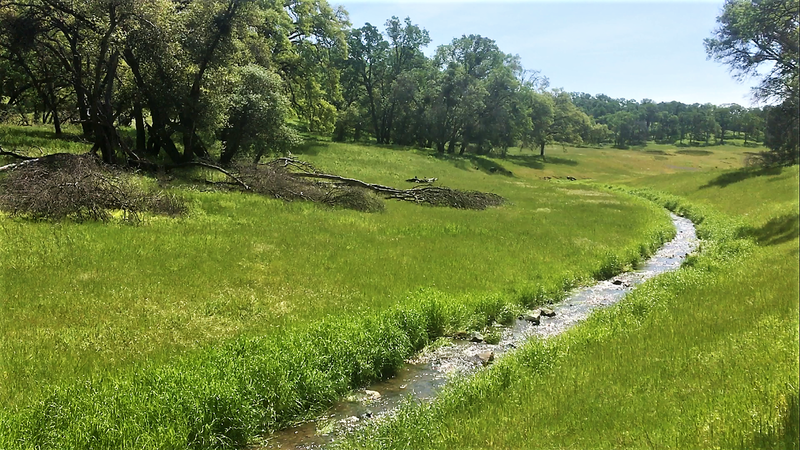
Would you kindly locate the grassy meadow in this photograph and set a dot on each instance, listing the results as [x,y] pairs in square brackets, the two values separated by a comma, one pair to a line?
[250,313]
[706,357]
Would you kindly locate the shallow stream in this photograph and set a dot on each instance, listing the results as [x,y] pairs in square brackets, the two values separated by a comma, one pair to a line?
[424,375]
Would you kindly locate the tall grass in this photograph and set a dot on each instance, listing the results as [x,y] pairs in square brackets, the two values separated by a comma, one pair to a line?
[705,357]
[211,329]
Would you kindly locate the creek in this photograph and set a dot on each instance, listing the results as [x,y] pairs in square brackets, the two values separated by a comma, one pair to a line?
[422,377]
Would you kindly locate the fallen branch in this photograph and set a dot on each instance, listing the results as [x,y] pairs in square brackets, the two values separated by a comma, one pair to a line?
[19,164]
[349,182]
[421,180]
[15,155]
[435,196]
[142,164]
[213,167]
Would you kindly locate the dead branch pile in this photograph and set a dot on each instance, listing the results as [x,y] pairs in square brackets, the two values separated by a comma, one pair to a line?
[79,187]
[453,198]
[293,171]
[276,181]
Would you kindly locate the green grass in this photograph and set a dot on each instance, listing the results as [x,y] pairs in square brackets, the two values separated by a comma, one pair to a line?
[39,140]
[202,330]
[250,313]
[610,164]
[706,357]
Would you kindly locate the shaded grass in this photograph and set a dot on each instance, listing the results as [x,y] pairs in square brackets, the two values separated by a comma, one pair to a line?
[705,357]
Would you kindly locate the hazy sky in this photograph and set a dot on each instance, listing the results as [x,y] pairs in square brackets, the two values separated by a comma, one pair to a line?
[624,49]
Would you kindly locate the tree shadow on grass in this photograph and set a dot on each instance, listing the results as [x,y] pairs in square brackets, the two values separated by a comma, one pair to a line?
[777,230]
[536,161]
[466,162]
[695,152]
[785,434]
[728,178]
[36,136]
[310,146]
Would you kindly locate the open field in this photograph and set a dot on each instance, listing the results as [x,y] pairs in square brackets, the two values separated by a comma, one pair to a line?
[188,330]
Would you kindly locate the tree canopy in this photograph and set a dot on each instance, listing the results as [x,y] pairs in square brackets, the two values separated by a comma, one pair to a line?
[762,36]
[226,79]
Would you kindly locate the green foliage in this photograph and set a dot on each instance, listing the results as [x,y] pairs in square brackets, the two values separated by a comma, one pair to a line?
[755,33]
[752,32]
[781,135]
[170,66]
[257,115]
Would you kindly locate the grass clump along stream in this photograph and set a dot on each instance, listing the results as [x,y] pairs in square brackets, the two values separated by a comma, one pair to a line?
[215,327]
[705,357]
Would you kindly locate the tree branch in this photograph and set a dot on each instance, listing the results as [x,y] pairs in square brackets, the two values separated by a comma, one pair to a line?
[15,155]
[153,166]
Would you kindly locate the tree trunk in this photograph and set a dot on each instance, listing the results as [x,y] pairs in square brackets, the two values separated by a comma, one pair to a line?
[230,150]
[141,137]
[357,132]
[57,123]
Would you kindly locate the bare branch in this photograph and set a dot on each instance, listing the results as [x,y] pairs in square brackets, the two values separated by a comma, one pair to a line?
[14,155]
[152,166]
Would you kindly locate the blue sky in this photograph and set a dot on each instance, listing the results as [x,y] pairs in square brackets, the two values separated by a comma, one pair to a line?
[624,49]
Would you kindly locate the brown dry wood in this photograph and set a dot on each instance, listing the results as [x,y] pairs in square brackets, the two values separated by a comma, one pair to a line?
[421,180]
[350,182]
[426,194]
[15,165]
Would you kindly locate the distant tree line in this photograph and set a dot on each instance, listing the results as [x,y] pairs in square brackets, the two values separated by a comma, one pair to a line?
[221,79]
[633,123]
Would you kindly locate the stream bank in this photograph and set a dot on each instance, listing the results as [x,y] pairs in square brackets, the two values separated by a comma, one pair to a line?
[425,374]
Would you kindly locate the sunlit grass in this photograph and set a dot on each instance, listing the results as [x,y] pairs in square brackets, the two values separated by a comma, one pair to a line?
[250,313]
[98,301]
[41,140]
[706,357]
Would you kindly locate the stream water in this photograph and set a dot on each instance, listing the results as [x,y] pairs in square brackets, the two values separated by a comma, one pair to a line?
[423,376]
